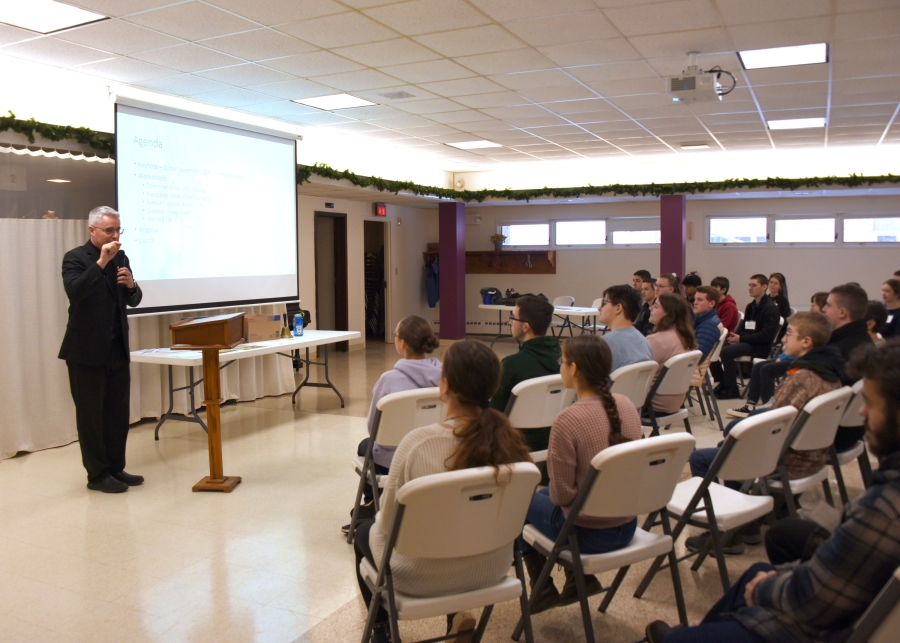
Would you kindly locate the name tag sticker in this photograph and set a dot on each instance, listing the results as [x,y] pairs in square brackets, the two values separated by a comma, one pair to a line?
[890,318]
[750,325]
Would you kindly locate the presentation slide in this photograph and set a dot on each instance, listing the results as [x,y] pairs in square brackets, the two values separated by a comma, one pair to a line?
[209,212]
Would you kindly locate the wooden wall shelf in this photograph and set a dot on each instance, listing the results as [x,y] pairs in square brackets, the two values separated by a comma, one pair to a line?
[511,262]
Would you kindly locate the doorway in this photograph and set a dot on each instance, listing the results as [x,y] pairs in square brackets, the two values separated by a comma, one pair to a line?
[375,279]
[331,274]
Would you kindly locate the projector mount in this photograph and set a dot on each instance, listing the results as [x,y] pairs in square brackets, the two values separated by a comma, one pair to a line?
[694,69]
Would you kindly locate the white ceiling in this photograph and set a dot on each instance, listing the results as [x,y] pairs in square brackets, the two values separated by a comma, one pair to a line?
[546,79]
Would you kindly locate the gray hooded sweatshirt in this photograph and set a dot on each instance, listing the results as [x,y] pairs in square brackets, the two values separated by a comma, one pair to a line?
[408,374]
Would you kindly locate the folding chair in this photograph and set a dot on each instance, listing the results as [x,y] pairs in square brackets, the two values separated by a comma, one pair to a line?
[814,429]
[674,379]
[750,452]
[851,419]
[535,403]
[449,515]
[396,415]
[627,479]
[881,620]
[633,381]
[701,382]
[563,322]
[747,359]
[589,324]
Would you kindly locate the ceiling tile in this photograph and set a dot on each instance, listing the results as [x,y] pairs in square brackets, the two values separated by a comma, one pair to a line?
[782,33]
[594,52]
[351,127]
[461,116]
[461,87]
[118,7]
[126,70]
[518,111]
[629,87]
[358,80]
[863,110]
[371,112]
[484,127]
[738,12]
[10,34]
[388,52]
[188,58]
[868,24]
[316,63]
[663,18]
[579,106]
[608,127]
[542,147]
[434,129]
[613,71]
[55,52]
[867,51]
[234,97]
[676,45]
[535,79]
[793,102]
[385,135]
[118,37]
[387,96]
[583,118]
[506,10]
[427,16]
[276,12]
[866,85]
[819,89]
[676,66]
[318,118]
[552,131]
[183,85]
[280,109]
[192,21]
[468,42]
[787,75]
[551,94]
[404,121]
[245,75]
[536,121]
[292,89]
[432,70]
[885,97]
[432,106]
[859,69]
[260,44]
[496,99]
[503,62]
[558,30]
[341,30]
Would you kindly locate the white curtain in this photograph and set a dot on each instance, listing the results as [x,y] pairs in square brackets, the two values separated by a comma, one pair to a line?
[36,409]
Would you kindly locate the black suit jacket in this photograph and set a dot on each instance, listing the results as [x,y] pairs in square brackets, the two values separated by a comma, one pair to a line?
[766,315]
[92,299]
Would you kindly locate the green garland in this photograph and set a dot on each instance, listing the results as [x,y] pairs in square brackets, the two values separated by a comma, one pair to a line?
[84,135]
[105,143]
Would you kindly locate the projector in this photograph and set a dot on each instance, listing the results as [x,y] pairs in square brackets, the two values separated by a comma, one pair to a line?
[694,86]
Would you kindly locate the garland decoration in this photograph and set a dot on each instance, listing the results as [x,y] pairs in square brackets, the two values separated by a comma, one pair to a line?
[104,142]
[84,135]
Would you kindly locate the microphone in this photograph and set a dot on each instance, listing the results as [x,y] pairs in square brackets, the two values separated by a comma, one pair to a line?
[119,259]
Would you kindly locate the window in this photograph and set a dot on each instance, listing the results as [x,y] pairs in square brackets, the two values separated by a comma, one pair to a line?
[635,237]
[738,230]
[880,230]
[804,231]
[526,234]
[580,233]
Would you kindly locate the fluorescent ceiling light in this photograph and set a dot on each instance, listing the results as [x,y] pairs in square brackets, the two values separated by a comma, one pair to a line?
[695,146]
[58,181]
[473,145]
[797,123]
[45,16]
[335,101]
[784,56]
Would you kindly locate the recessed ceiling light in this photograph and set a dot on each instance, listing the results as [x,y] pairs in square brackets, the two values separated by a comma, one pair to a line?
[45,16]
[58,181]
[335,101]
[797,123]
[695,146]
[473,145]
[784,56]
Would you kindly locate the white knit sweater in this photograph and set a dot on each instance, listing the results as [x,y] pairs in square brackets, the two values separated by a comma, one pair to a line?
[423,452]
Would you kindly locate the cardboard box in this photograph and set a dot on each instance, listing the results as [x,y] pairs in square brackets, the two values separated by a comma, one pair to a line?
[259,328]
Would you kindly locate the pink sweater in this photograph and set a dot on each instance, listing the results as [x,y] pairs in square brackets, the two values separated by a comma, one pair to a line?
[665,345]
[579,433]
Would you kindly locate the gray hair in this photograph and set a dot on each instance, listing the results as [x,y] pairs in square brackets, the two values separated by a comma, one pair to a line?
[98,213]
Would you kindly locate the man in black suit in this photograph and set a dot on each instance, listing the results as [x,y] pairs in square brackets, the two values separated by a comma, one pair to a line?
[99,284]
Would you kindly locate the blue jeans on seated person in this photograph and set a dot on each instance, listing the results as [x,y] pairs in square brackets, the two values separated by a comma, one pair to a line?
[701,459]
[717,625]
[549,519]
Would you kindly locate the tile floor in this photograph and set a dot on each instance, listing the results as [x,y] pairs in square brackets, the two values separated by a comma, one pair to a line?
[265,563]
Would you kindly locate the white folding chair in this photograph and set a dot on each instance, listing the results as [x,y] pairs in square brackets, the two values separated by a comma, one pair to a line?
[701,382]
[674,379]
[535,403]
[448,515]
[858,452]
[590,324]
[814,429]
[881,620]
[627,479]
[750,452]
[563,322]
[396,415]
[633,381]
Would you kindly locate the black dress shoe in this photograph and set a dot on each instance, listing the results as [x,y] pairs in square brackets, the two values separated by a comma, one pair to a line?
[657,631]
[127,478]
[727,394]
[107,484]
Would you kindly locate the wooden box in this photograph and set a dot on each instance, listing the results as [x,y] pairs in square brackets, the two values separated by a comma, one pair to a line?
[220,331]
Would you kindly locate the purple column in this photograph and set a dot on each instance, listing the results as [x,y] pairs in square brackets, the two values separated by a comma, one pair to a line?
[452,238]
[673,234]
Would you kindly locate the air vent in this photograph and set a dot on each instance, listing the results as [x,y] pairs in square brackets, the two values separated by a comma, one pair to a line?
[686,83]
[397,95]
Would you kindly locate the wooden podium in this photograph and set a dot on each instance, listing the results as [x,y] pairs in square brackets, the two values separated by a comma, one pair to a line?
[210,335]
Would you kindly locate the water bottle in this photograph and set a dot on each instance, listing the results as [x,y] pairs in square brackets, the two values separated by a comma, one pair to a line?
[298,325]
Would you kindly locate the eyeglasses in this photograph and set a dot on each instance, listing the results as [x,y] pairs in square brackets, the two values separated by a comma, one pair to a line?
[512,319]
[603,302]
[562,361]
[111,230]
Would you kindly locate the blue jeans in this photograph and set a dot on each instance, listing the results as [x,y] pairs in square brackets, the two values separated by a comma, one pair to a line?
[548,519]
[716,625]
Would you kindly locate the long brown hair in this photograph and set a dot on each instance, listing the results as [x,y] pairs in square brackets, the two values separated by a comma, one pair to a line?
[592,356]
[677,316]
[472,371]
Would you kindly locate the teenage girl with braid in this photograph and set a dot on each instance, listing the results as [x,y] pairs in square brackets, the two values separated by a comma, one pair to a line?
[598,419]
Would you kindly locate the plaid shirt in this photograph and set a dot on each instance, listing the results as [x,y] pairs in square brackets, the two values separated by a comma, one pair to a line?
[821,599]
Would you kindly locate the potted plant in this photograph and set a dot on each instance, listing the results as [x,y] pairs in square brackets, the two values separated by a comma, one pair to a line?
[498,240]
